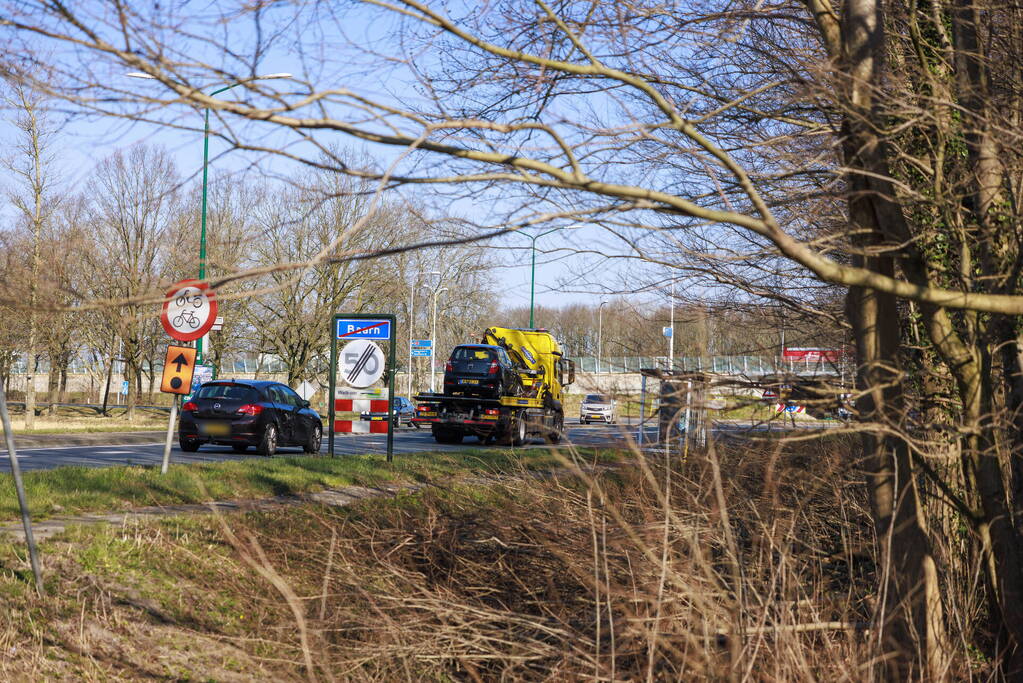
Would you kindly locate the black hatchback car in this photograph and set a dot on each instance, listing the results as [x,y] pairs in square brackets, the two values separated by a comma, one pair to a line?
[481,370]
[242,413]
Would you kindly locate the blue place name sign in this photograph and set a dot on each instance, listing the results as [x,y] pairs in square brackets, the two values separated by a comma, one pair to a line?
[378,330]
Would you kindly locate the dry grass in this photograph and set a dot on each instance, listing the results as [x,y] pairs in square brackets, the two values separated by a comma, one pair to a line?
[757,566]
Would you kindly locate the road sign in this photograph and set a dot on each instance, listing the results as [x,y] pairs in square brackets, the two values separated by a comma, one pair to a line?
[202,374]
[189,310]
[421,353]
[378,330]
[306,390]
[421,344]
[668,331]
[178,368]
[361,363]
[124,388]
[218,324]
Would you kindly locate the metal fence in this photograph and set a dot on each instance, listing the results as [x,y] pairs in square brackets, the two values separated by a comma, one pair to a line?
[721,365]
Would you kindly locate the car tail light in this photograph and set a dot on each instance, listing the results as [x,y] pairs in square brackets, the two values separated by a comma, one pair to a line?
[492,411]
[190,406]
[493,368]
[423,408]
[448,367]
[250,409]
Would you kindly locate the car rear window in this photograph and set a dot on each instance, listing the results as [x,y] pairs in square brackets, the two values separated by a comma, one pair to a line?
[462,353]
[235,392]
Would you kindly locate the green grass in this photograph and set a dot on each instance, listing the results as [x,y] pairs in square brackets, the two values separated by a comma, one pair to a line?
[68,490]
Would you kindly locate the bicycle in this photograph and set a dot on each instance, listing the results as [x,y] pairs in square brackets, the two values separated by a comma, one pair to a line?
[186,317]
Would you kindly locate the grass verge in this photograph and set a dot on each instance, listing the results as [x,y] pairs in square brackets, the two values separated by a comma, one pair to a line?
[69,490]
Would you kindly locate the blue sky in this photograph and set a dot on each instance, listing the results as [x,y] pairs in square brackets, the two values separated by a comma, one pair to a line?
[562,277]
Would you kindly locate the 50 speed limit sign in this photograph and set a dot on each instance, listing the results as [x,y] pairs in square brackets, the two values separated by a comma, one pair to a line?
[189,310]
[361,363]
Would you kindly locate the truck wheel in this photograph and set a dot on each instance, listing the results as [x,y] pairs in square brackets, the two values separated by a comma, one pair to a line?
[447,436]
[554,436]
[518,430]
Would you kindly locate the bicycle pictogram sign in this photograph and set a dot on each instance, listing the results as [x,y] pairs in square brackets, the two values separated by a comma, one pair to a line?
[189,310]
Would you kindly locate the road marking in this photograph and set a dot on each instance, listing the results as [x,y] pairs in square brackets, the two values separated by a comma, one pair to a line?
[88,445]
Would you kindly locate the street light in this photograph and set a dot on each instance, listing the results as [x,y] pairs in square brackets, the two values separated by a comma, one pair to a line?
[411,320]
[600,332]
[205,166]
[433,336]
[532,271]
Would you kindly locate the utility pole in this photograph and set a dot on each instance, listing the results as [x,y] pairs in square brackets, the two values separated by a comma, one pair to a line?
[600,333]
[671,324]
[433,338]
[412,320]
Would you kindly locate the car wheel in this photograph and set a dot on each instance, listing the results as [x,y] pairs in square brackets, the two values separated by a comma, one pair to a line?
[315,440]
[240,447]
[189,445]
[268,444]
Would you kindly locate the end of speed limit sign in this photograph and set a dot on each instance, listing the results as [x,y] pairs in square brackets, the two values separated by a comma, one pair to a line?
[189,310]
[361,363]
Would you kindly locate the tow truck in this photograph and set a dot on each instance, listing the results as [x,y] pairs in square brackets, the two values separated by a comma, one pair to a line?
[533,408]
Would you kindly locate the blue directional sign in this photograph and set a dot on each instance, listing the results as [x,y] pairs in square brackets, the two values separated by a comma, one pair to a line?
[423,353]
[422,343]
[379,330]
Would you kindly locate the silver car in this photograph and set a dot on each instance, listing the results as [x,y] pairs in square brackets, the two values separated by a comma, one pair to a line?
[597,408]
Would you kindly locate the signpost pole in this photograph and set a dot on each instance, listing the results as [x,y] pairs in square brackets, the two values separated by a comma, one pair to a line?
[19,485]
[331,389]
[170,434]
[392,371]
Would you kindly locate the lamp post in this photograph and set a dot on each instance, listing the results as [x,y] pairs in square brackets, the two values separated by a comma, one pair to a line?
[600,332]
[433,336]
[205,168]
[532,269]
[411,322]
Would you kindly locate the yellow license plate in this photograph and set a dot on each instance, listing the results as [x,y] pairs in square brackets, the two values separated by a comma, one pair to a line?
[468,381]
[376,418]
[217,428]
[425,414]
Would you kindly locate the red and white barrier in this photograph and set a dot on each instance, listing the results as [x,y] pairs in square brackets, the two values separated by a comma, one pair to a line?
[360,405]
[782,408]
[360,426]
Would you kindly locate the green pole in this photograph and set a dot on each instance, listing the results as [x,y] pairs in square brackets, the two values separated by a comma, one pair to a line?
[532,284]
[532,272]
[202,220]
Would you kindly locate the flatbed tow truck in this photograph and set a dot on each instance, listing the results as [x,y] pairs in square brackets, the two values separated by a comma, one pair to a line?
[536,410]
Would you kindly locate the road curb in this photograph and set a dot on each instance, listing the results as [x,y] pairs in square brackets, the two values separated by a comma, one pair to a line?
[85,439]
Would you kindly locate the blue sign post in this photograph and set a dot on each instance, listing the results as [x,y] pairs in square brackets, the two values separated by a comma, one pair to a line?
[356,328]
[421,348]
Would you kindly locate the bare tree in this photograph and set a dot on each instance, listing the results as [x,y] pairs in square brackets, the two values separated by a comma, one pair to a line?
[32,164]
[134,207]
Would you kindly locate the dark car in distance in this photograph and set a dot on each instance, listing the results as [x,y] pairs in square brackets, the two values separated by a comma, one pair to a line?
[481,370]
[403,412]
[242,413]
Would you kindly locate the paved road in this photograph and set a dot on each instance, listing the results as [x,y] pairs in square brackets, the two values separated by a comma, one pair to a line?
[405,441]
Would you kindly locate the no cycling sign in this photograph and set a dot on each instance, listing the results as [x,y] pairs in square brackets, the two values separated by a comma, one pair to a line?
[358,362]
